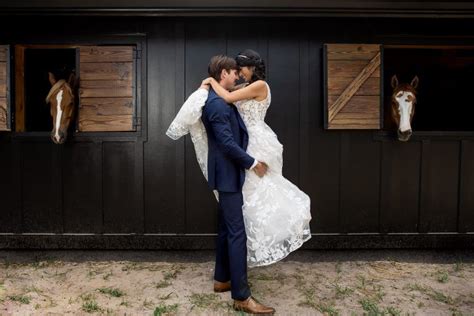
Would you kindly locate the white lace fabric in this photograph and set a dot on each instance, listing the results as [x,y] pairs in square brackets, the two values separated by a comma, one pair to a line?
[276,212]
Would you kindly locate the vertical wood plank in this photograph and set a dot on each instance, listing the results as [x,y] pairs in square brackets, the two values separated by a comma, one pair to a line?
[283,115]
[120,212]
[10,195]
[41,189]
[82,167]
[400,186]
[439,186]
[466,196]
[165,194]
[202,43]
[360,177]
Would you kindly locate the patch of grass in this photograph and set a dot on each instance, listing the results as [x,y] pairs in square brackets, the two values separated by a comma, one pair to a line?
[297,277]
[134,266]
[23,299]
[165,309]
[338,267]
[342,292]
[440,297]
[392,311]
[148,304]
[90,306]
[204,300]
[107,276]
[163,284]
[327,308]
[432,293]
[371,307]
[362,281]
[455,312]
[173,272]
[458,266]
[112,291]
[442,276]
[125,303]
[167,296]
[280,277]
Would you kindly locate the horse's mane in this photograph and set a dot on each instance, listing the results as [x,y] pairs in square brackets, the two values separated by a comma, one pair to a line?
[58,85]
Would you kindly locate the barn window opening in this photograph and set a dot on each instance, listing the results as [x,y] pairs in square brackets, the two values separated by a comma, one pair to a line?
[37,64]
[444,91]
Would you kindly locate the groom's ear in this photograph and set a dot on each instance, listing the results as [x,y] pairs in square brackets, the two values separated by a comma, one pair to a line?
[223,74]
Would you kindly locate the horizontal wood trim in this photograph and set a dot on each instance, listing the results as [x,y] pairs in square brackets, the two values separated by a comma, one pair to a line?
[96,54]
[352,51]
[106,71]
[348,68]
[105,88]
[106,123]
[201,242]
[351,125]
[91,107]
[336,86]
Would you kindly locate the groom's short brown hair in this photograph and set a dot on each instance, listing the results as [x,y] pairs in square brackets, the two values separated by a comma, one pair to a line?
[218,63]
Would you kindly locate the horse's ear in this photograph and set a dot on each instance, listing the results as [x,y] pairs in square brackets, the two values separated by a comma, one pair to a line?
[72,80]
[51,78]
[394,81]
[414,82]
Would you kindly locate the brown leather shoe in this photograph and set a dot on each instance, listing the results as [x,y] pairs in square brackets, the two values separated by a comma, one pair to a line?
[221,286]
[251,306]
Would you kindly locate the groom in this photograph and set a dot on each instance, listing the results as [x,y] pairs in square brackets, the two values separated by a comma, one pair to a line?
[227,161]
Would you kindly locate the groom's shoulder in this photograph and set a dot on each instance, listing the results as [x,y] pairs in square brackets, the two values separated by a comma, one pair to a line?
[214,99]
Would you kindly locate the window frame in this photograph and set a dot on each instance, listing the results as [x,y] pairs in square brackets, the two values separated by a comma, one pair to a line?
[139,118]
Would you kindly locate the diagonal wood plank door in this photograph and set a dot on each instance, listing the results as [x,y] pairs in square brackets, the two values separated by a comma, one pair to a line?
[353,86]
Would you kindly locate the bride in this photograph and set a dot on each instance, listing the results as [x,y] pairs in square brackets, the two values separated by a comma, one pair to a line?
[276,213]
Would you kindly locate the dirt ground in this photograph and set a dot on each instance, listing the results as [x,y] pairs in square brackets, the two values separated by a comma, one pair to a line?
[383,282]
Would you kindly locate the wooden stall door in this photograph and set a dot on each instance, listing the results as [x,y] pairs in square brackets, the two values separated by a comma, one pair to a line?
[106,89]
[353,89]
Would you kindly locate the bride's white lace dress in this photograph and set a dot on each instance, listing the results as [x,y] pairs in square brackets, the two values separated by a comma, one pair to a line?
[276,212]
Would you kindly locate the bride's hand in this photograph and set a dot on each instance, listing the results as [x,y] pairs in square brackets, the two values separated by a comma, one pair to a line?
[206,83]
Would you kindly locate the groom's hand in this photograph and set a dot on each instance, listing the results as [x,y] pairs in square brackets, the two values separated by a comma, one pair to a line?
[260,169]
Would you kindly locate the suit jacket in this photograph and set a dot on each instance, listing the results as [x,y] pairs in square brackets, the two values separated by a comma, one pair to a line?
[227,141]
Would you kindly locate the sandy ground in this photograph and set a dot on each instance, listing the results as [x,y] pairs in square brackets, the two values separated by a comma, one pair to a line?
[352,282]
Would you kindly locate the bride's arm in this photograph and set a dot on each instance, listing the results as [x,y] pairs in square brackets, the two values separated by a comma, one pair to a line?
[251,91]
[239,86]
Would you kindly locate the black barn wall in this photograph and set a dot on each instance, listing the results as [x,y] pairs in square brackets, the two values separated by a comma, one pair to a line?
[147,191]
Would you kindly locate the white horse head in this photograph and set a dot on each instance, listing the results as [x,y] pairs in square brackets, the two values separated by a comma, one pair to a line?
[403,106]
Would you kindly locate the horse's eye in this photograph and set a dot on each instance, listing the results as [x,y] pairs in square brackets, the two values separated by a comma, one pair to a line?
[399,95]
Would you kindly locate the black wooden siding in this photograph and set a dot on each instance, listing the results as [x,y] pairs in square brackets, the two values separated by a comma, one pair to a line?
[367,189]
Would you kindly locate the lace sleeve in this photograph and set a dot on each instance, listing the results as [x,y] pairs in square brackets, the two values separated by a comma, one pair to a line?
[189,114]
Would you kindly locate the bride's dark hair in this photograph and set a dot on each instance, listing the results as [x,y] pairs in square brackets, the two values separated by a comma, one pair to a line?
[251,58]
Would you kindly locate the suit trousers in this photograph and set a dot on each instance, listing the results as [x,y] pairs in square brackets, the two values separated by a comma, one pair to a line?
[231,245]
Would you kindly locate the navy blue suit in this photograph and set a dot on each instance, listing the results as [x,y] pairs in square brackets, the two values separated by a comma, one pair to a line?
[227,161]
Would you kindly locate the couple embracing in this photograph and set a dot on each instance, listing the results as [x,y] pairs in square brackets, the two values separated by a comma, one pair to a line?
[262,216]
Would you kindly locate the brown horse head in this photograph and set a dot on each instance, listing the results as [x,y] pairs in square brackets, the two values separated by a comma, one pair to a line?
[61,100]
[403,106]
